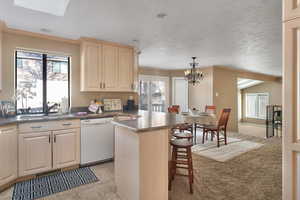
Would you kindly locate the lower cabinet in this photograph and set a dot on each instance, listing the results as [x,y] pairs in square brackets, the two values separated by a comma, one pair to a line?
[35,154]
[49,147]
[8,154]
[66,148]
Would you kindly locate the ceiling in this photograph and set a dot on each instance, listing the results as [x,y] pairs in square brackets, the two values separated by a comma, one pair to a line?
[239,34]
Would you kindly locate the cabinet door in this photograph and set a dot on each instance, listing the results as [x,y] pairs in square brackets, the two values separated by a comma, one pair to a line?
[35,154]
[110,67]
[66,148]
[125,69]
[291,9]
[91,55]
[291,111]
[8,155]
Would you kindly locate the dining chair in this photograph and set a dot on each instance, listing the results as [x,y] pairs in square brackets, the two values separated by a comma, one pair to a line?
[210,109]
[174,109]
[221,127]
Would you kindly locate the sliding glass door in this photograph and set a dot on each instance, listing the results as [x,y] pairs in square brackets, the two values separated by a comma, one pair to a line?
[154,93]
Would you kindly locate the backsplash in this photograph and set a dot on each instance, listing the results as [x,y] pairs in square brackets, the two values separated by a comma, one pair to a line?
[82,102]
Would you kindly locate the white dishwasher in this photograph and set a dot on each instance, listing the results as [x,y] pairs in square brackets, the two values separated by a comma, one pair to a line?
[97,140]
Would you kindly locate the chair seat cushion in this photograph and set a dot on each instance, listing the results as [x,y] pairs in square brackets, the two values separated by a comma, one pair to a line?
[183,135]
[181,143]
[211,127]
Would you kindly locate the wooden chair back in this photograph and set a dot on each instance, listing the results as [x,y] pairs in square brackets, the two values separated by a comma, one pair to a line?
[174,109]
[223,120]
[210,109]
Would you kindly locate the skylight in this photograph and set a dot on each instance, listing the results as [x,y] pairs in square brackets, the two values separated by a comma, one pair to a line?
[54,7]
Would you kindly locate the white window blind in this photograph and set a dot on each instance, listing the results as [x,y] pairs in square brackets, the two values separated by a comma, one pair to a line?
[256,105]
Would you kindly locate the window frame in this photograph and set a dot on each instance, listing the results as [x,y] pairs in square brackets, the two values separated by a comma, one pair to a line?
[44,68]
[257,105]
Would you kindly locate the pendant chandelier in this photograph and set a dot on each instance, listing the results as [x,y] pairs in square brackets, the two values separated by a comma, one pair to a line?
[193,75]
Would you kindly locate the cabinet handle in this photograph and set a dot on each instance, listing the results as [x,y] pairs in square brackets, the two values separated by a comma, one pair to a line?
[100,85]
[49,139]
[35,127]
[54,138]
[67,124]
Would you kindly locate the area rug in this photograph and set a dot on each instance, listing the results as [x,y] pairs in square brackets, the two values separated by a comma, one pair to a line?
[227,152]
[54,183]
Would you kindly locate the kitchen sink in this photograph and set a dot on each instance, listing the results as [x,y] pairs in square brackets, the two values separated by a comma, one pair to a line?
[39,116]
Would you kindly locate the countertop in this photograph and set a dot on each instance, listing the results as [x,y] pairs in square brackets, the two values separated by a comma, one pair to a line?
[148,121]
[53,117]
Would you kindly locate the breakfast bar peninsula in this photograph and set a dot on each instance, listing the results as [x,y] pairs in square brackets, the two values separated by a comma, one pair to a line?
[142,154]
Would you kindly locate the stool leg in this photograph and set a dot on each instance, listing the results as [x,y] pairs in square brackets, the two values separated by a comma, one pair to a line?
[218,138]
[190,169]
[225,135]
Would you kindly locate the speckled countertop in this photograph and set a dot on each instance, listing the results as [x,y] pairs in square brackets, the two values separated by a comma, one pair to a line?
[148,121]
[53,117]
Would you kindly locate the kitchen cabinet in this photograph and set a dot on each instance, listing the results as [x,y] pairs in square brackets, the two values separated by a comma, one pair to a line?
[291,9]
[91,67]
[291,105]
[107,67]
[48,145]
[8,154]
[35,153]
[125,79]
[1,44]
[110,68]
[66,148]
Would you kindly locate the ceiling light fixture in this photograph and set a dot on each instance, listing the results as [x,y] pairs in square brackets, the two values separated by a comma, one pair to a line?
[193,75]
[45,30]
[161,15]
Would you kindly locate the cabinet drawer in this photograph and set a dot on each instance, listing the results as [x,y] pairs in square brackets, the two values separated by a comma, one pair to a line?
[34,127]
[10,129]
[65,124]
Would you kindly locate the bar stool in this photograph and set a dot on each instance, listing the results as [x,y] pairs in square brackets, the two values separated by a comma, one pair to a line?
[181,159]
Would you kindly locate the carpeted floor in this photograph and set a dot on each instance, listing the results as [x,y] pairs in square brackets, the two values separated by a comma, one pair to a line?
[255,175]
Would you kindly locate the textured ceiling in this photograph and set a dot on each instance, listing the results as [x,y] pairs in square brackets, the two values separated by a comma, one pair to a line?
[237,33]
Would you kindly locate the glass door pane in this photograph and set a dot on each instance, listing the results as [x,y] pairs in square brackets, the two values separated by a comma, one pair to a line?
[144,95]
[153,94]
[158,96]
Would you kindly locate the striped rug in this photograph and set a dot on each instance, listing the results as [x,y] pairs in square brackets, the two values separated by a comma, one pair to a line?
[54,183]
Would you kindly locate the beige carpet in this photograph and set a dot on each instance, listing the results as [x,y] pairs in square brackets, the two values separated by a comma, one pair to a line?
[234,148]
[254,175]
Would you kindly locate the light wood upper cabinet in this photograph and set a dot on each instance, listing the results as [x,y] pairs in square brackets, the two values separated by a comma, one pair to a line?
[125,80]
[8,154]
[107,67]
[91,67]
[291,9]
[35,155]
[1,29]
[66,148]
[110,67]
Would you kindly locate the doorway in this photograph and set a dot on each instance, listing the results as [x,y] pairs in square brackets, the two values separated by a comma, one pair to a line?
[154,93]
[180,93]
